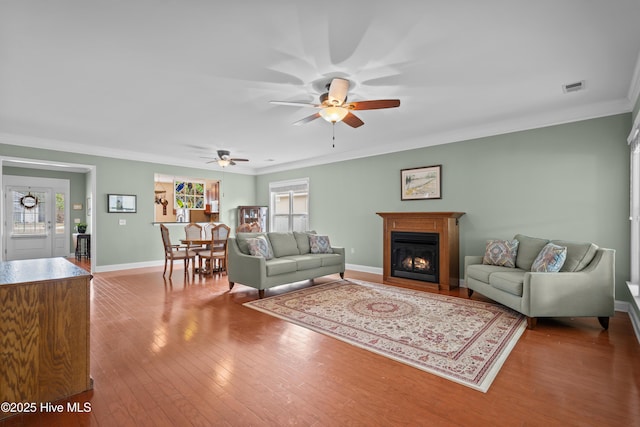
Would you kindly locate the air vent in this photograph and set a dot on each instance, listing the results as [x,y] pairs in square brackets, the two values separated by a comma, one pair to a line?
[573,87]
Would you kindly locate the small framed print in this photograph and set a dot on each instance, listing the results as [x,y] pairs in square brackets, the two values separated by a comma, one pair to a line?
[421,183]
[121,203]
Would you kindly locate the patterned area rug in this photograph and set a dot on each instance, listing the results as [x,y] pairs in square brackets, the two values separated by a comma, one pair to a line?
[462,340]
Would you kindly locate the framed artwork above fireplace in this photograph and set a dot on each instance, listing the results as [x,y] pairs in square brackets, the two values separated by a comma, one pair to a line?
[421,183]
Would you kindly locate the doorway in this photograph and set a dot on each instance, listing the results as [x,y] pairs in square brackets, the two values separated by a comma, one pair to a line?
[42,168]
[37,223]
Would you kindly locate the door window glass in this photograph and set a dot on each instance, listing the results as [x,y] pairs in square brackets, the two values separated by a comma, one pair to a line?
[29,213]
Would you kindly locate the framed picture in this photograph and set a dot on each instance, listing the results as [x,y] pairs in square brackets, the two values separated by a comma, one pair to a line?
[121,203]
[421,183]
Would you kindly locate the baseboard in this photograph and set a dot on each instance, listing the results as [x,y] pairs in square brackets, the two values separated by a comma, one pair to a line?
[131,266]
[364,268]
[625,306]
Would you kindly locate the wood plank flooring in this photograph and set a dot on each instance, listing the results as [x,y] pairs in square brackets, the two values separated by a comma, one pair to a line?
[187,353]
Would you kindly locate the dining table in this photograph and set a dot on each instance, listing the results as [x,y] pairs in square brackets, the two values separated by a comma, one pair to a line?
[193,243]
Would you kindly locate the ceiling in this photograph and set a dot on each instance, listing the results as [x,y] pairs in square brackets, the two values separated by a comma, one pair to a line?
[173,81]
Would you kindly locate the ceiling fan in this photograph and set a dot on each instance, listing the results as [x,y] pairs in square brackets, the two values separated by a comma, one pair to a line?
[335,108]
[224,159]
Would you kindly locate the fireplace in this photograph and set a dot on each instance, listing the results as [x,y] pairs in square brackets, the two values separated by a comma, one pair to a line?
[427,253]
[415,256]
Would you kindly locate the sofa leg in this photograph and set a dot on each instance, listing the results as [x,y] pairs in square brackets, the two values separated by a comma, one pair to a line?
[260,293]
[469,292]
[604,322]
[531,322]
[231,285]
[342,275]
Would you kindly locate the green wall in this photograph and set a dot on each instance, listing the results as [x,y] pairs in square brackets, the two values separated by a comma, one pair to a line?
[568,181]
[137,242]
[564,182]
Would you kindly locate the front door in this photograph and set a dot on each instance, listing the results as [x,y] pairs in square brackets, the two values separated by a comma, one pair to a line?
[35,222]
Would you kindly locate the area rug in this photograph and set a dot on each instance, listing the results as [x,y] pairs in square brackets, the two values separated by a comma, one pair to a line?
[462,340]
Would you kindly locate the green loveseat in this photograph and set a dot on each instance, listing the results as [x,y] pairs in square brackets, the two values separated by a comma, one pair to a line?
[583,287]
[292,261]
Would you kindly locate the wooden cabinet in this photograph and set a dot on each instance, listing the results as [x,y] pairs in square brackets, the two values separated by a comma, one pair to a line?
[44,331]
[253,214]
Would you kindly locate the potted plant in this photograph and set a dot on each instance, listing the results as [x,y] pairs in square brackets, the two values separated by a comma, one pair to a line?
[81,227]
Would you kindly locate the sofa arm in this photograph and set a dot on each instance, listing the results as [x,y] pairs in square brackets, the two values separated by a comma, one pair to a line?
[590,292]
[246,269]
[338,250]
[471,260]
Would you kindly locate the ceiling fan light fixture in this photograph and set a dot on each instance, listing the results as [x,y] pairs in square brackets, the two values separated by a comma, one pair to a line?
[334,114]
[224,162]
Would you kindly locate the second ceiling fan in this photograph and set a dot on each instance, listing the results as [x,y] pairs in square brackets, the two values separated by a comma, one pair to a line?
[335,108]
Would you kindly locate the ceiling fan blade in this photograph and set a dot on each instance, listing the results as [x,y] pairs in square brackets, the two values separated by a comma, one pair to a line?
[352,120]
[338,91]
[239,160]
[296,104]
[374,105]
[307,119]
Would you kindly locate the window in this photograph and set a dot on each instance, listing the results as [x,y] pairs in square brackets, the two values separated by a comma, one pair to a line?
[634,214]
[289,205]
[29,218]
[60,213]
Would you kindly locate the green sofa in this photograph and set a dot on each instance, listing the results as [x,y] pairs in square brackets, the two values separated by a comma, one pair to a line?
[583,287]
[292,261]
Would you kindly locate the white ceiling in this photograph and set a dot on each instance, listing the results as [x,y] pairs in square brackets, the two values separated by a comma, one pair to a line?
[174,81]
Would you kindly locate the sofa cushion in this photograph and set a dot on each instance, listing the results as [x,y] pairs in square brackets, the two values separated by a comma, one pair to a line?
[320,244]
[481,272]
[243,245]
[306,262]
[528,250]
[579,254]
[550,259]
[501,252]
[259,246]
[278,266]
[508,281]
[302,240]
[283,244]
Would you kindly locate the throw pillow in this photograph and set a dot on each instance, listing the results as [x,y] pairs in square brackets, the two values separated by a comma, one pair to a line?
[258,246]
[501,252]
[550,259]
[320,244]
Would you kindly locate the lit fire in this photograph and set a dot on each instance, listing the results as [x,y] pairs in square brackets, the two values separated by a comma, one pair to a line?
[416,263]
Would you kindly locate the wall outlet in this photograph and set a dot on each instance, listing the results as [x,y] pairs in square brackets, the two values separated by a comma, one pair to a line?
[123,222]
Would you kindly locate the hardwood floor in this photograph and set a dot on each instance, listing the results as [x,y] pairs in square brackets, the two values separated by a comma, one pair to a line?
[183,352]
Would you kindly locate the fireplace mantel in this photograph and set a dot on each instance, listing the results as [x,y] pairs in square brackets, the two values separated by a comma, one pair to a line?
[443,223]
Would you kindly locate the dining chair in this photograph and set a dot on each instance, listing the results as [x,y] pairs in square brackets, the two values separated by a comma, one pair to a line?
[193,231]
[217,252]
[176,252]
[255,227]
[207,230]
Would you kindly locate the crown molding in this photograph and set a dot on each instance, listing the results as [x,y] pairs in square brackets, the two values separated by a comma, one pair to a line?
[70,147]
[523,123]
[527,122]
[634,87]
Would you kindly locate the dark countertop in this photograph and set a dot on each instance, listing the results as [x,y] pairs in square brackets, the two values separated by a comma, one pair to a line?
[38,270]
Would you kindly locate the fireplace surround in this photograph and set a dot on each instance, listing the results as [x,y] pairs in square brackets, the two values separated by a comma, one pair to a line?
[443,226]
